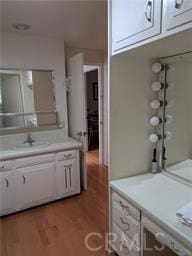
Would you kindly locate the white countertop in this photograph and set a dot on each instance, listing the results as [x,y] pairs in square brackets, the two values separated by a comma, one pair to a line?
[66,144]
[159,197]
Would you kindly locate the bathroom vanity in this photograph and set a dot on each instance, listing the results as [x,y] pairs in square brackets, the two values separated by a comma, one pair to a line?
[38,175]
[143,216]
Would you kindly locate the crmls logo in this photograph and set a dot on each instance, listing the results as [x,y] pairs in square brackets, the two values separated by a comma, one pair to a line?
[120,243]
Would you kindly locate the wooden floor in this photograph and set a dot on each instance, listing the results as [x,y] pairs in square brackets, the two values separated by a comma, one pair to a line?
[60,228]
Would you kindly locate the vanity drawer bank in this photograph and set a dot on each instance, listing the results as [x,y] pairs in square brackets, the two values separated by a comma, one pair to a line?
[40,176]
[147,204]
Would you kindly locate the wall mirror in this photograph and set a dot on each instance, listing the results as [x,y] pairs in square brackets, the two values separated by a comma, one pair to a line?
[178,105]
[27,99]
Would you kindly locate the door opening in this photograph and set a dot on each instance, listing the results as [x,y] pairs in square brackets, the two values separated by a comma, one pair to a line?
[94,108]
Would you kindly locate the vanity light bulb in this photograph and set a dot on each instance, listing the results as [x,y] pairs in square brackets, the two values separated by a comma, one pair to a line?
[156,86]
[168,135]
[157,67]
[156,104]
[153,138]
[155,120]
[168,119]
[170,104]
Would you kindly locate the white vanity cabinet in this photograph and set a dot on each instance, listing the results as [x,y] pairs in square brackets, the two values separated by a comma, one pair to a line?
[134,21]
[177,13]
[7,192]
[29,181]
[36,184]
[126,227]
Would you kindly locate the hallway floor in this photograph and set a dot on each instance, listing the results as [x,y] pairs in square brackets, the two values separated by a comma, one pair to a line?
[60,228]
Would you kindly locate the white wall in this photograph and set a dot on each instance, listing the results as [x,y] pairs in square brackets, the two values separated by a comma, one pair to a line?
[130,94]
[93,57]
[31,52]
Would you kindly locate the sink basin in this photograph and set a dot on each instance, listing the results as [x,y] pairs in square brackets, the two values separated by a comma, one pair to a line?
[26,146]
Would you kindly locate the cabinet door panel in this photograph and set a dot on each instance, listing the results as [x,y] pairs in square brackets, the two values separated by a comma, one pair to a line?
[7,193]
[177,13]
[67,177]
[36,184]
[134,21]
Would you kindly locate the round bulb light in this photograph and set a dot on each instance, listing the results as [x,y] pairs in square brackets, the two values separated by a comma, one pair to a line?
[153,138]
[155,104]
[157,67]
[156,86]
[169,119]
[155,120]
[168,135]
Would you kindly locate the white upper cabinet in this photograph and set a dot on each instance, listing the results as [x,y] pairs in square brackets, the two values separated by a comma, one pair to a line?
[134,21]
[177,13]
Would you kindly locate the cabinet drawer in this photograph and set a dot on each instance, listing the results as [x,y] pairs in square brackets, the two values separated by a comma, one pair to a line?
[34,160]
[6,166]
[66,155]
[126,207]
[121,245]
[127,224]
[164,238]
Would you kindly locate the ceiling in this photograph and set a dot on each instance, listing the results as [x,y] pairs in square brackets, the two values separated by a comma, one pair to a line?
[81,23]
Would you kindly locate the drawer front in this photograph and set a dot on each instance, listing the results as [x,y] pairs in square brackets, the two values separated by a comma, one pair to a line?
[121,245]
[6,166]
[34,160]
[126,207]
[127,224]
[65,155]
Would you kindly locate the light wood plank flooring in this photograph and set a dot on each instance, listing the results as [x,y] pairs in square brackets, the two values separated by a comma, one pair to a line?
[59,228]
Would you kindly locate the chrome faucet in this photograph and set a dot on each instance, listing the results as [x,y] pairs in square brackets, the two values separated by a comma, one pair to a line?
[29,140]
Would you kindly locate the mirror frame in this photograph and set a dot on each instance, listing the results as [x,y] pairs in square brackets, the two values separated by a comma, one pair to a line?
[15,130]
[166,61]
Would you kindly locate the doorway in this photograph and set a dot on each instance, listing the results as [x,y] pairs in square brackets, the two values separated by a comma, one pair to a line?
[94,110]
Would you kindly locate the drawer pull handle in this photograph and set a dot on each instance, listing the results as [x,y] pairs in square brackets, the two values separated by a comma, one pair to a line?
[7,183]
[178,4]
[125,223]
[148,11]
[24,179]
[125,247]
[68,155]
[3,167]
[125,207]
[68,166]
[175,248]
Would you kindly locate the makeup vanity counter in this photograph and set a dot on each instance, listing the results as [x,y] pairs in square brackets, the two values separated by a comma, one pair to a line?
[154,199]
[37,175]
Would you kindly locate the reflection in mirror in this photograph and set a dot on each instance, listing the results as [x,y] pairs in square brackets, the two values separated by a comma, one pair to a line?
[179,147]
[27,98]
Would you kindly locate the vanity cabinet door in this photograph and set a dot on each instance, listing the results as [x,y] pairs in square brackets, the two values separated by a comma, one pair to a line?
[134,21]
[36,185]
[68,180]
[7,192]
[177,13]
